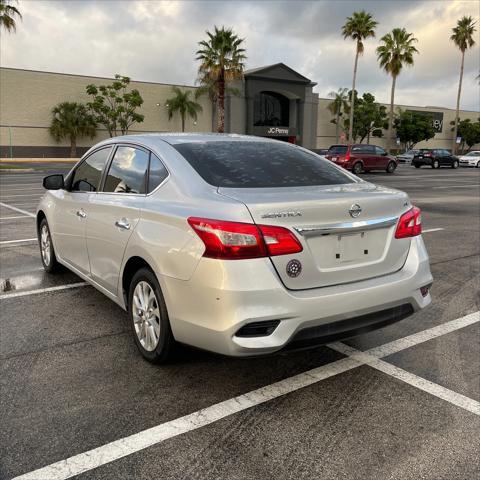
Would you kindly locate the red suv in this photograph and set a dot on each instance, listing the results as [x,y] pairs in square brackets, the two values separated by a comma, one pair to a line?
[361,158]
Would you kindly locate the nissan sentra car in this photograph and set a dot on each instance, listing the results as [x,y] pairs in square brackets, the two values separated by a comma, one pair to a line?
[234,244]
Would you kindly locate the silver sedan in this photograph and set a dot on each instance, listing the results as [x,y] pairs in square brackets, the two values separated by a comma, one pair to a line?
[234,244]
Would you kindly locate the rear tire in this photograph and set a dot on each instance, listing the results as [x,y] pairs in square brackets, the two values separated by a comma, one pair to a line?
[47,252]
[391,167]
[357,168]
[149,318]
[435,164]
[455,164]
[416,165]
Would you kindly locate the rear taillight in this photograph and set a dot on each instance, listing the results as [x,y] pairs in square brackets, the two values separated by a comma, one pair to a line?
[347,156]
[235,240]
[410,224]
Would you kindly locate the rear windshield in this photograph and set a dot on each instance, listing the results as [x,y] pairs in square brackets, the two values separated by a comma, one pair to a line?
[239,164]
[338,150]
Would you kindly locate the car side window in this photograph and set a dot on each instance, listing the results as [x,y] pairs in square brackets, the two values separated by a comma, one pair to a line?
[128,171]
[379,151]
[362,149]
[157,174]
[86,178]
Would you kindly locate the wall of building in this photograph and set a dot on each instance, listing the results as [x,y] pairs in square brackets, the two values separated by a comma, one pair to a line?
[27,98]
[443,139]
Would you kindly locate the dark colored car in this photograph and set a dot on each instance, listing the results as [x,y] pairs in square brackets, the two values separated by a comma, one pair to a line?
[435,158]
[361,158]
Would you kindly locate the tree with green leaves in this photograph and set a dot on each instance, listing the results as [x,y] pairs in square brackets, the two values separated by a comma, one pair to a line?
[183,104]
[358,27]
[468,131]
[71,120]
[413,127]
[395,52]
[222,60]
[369,120]
[114,106]
[462,37]
[8,12]
[337,107]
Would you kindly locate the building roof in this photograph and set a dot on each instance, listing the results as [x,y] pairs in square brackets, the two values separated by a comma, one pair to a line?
[278,71]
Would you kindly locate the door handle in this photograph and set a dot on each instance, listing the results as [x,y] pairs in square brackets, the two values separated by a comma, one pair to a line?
[81,213]
[123,223]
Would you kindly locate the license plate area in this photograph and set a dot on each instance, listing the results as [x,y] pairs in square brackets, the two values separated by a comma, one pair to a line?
[351,247]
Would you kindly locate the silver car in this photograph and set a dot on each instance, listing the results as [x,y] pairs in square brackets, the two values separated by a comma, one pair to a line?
[234,244]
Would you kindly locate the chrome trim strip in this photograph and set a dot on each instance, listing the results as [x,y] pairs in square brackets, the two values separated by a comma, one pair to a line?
[347,227]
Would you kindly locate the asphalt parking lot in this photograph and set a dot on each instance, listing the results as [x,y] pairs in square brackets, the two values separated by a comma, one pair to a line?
[78,401]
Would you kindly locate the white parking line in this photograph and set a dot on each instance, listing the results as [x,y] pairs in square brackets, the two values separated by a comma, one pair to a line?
[400,374]
[126,446]
[460,186]
[26,293]
[15,217]
[4,242]
[19,210]
[429,230]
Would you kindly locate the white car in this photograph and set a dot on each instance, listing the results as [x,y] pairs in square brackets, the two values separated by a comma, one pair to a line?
[471,159]
[234,244]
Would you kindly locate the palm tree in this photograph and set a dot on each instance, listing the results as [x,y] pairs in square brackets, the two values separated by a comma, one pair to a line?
[358,27]
[338,106]
[72,120]
[463,38]
[222,60]
[182,103]
[7,15]
[396,51]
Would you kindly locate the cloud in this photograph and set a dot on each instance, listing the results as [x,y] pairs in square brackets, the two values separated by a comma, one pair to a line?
[157,40]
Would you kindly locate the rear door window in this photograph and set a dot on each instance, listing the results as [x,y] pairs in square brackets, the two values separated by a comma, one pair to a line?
[128,171]
[249,164]
[379,151]
[86,178]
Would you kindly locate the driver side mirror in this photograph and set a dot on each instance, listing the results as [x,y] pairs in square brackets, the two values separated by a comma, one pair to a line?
[384,154]
[54,182]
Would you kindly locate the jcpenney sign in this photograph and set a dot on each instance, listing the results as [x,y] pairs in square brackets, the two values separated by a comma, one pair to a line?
[274,131]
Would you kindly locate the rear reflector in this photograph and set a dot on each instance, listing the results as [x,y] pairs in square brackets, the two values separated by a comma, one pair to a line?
[410,224]
[235,240]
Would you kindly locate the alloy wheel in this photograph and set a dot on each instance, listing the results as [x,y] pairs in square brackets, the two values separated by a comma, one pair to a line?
[45,245]
[436,164]
[146,316]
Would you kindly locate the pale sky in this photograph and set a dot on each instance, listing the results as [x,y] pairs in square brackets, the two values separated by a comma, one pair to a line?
[156,41]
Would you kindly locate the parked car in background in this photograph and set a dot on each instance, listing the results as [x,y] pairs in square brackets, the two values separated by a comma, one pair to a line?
[471,159]
[407,157]
[234,244]
[361,158]
[320,151]
[435,158]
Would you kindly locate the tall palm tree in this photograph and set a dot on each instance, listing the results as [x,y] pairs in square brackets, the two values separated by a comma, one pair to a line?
[358,27]
[395,51]
[222,60]
[182,104]
[72,120]
[463,38]
[7,15]
[338,106]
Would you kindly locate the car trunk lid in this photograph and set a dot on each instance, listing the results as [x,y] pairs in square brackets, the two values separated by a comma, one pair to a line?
[337,246]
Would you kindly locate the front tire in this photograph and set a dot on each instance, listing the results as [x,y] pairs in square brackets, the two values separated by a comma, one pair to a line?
[357,168]
[455,164]
[435,164]
[149,318]
[47,252]
[391,167]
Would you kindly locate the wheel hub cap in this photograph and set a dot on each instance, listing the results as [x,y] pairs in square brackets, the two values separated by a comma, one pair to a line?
[45,245]
[146,316]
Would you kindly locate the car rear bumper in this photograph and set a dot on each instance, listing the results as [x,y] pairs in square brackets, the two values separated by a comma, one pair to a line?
[208,310]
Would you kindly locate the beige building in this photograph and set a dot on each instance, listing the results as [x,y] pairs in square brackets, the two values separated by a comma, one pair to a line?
[274,101]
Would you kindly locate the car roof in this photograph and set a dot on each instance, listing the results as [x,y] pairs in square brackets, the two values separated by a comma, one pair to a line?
[177,138]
